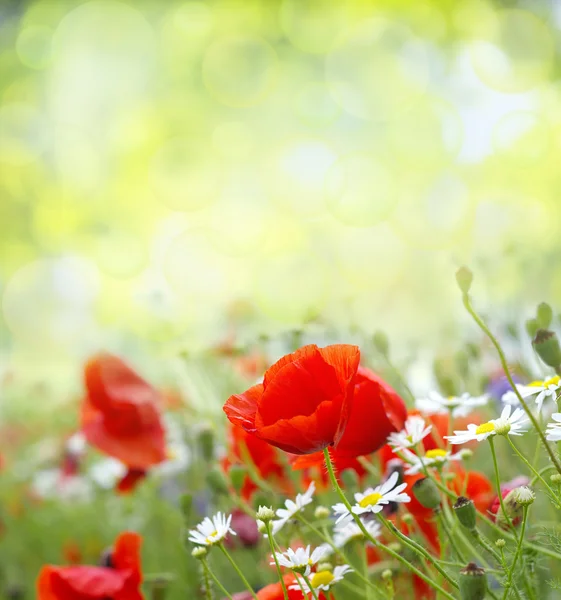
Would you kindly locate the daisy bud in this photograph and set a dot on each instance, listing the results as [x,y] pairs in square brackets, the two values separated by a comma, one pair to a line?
[322,512]
[325,566]
[237,475]
[473,583]
[465,511]
[265,514]
[532,327]
[427,493]
[407,518]
[216,481]
[555,478]
[387,574]
[464,277]
[523,495]
[381,343]
[206,442]
[199,552]
[466,453]
[546,345]
[500,543]
[544,315]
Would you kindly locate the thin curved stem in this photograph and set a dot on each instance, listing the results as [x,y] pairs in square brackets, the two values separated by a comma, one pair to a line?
[517,554]
[310,586]
[498,483]
[238,571]
[215,579]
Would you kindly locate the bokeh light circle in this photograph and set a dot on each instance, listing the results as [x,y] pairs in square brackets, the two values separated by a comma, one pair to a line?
[360,189]
[239,71]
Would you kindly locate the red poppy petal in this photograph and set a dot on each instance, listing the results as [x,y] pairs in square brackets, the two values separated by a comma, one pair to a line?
[345,359]
[302,353]
[84,583]
[130,481]
[44,588]
[241,408]
[126,552]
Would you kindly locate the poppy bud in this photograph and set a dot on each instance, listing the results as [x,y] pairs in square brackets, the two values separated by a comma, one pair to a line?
[473,583]
[381,343]
[206,442]
[217,482]
[186,505]
[532,327]
[237,475]
[512,508]
[544,315]
[465,511]
[427,493]
[464,277]
[546,345]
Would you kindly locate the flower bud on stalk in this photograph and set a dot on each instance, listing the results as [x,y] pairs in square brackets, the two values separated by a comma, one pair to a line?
[513,510]
[546,344]
[427,493]
[265,514]
[544,315]
[464,509]
[321,512]
[473,583]
[464,277]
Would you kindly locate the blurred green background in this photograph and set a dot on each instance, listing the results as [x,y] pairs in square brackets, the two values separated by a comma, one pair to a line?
[176,173]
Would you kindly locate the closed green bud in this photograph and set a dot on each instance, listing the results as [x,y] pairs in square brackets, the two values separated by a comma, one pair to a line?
[464,508]
[464,277]
[544,315]
[546,345]
[206,442]
[555,478]
[381,343]
[473,583]
[386,574]
[512,508]
[217,482]
[427,493]
[532,327]
[500,543]
[237,475]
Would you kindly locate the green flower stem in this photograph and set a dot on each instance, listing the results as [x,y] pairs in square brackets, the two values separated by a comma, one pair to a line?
[536,473]
[467,303]
[307,580]
[208,591]
[364,555]
[238,571]
[484,543]
[273,551]
[540,473]
[377,544]
[417,548]
[498,484]
[209,572]
[517,554]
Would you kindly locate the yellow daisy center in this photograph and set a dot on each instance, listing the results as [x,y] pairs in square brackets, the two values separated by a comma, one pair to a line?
[370,500]
[485,428]
[437,453]
[210,538]
[322,578]
[553,381]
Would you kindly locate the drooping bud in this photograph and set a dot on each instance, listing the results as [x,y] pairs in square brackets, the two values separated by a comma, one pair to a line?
[464,277]
[472,582]
[544,315]
[216,481]
[237,474]
[532,327]
[206,442]
[381,343]
[427,493]
[546,344]
[464,508]
[512,508]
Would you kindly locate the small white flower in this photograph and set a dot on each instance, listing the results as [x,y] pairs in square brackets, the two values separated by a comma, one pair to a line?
[414,431]
[300,560]
[524,495]
[292,507]
[553,431]
[212,530]
[373,499]
[507,423]
[432,458]
[322,580]
[460,406]
[345,533]
[551,388]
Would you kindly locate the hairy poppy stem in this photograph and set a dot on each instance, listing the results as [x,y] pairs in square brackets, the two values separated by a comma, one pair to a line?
[467,303]
[373,540]
[272,544]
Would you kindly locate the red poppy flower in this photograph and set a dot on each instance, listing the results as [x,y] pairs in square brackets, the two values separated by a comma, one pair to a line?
[130,480]
[119,581]
[274,591]
[304,402]
[264,457]
[120,414]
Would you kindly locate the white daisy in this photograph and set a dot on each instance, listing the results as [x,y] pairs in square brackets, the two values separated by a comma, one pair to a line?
[414,431]
[292,507]
[507,423]
[322,580]
[345,533]
[373,499]
[460,406]
[551,388]
[553,431]
[432,458]
[300,560]
[212,530]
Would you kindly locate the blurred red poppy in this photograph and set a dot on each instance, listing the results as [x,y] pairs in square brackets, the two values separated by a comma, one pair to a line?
[119,581]
[274,591]
[264,457]
[120,413]
[130,480]
[304,402]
